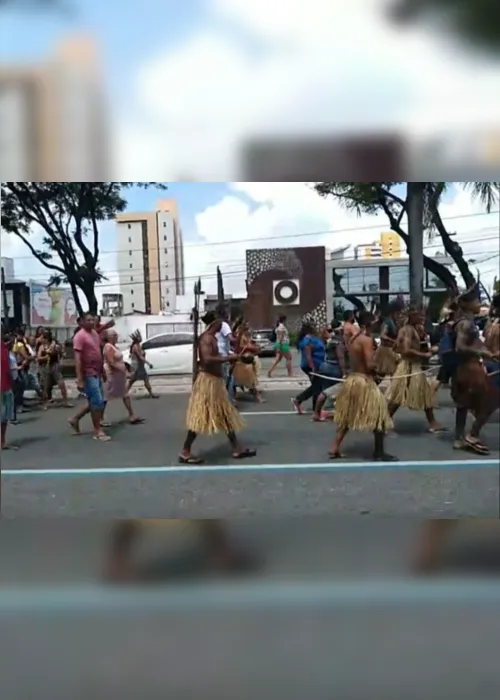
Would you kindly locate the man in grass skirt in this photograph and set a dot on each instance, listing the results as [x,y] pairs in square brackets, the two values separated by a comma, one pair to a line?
[360,404]
[210,410]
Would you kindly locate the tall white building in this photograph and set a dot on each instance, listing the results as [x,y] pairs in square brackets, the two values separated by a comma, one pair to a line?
[150,259]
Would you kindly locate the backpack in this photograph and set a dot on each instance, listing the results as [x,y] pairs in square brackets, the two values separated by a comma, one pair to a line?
[274,337]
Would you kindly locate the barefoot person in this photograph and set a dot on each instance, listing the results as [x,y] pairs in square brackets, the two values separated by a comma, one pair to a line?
[470,387]
[138,362]
[210,409]
[115,386]
[90,373]
[409,386]
[492,342]
[360,404]
[282,347]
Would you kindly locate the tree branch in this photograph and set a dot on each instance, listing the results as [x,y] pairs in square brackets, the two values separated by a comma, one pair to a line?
[49,266]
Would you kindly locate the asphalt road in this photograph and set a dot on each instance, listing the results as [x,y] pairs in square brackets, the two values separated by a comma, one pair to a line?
[137,475]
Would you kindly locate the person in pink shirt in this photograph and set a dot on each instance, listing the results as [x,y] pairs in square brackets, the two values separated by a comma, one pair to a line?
[90,374]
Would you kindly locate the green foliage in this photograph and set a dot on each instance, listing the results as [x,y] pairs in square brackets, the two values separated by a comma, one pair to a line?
[377,197]
[68,213]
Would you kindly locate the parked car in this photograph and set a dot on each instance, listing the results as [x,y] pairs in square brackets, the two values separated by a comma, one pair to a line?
[169,353]
[263,339]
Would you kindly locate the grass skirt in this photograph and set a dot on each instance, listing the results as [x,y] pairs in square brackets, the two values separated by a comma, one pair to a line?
[415,393]
[361,406]
[386,361]
[210,410]
[245,375]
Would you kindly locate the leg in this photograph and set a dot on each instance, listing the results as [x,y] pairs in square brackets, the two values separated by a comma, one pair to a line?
[379,454]
[186,457]
[460,423]
[481,418]
[239,452]
[303,396]
[64,392]
[149,388]
[74,422]
[223,555]
[434,426]
[288,360]
[430,545]
[104,423]
[334,451]
[93,391]
[133,419]
[318,413]
[118,567]
[276,362]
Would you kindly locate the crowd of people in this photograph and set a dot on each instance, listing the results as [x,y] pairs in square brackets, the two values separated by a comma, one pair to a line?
[366,382]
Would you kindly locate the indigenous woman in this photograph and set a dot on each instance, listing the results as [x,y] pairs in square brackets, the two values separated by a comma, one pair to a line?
[360,404]
[492,342]
[115,386]
[245,369]
[385,358]
[139,362]
[409,386]
[470,387]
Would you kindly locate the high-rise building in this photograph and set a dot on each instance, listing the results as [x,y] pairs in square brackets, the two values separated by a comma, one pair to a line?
[150,259]
[53,117]
[388,246]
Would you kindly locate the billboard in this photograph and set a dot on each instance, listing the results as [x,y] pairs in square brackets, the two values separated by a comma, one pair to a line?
[52,306]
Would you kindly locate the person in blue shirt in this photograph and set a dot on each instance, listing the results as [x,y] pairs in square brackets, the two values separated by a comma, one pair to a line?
[312,355]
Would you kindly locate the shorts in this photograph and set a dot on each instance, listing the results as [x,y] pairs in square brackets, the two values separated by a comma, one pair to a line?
[7,406]
[31,381]
[92,388]
[283,348]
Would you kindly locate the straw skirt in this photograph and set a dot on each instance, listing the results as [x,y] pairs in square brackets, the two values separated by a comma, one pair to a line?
[210,410]
[361,406]
[245,375]
[386,361]
[415,393]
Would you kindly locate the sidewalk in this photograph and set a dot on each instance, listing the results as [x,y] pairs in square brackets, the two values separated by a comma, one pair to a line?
[181,384]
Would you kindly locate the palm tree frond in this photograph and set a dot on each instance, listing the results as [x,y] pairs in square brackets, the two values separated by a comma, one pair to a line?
[487,192]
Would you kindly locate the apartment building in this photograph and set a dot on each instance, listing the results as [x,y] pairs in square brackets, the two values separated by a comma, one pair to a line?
[388,246]
[150,259]
[53,117]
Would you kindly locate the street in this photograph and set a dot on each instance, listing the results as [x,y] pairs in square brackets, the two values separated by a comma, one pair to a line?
[137,474]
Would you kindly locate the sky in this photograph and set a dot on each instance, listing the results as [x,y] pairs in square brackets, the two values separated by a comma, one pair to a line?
[220,221]
[188,83]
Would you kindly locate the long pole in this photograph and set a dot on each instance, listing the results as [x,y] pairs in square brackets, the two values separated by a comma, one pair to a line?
[196,325]
[415,193]
[5,305]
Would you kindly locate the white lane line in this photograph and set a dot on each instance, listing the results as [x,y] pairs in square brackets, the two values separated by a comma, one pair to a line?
[255,594]
[256,468]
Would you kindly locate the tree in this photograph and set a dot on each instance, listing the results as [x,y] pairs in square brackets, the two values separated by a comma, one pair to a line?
[375,197]
[68,214]
[496,286]
[474,21]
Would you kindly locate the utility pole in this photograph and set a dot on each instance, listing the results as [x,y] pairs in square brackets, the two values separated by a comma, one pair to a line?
[415,194]
[5,305]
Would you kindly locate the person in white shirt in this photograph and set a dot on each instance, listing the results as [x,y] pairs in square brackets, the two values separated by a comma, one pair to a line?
[225,339]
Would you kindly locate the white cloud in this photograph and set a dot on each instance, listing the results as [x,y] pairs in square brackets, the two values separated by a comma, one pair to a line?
[292,214]
[337,65]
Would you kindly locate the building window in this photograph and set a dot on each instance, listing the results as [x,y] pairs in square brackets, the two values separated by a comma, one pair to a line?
[168,303]
[166,277]
[129,240]
[131,279]
[356,280]
[132,304]
[131,291]
[130,265]
[165,250]
[164,238]
[399,278]
[130,252]
[164,224]
[129,227]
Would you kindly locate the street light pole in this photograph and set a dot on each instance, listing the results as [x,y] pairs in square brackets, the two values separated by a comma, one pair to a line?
[415,194]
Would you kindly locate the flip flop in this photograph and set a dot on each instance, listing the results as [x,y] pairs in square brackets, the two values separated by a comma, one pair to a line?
[137,421]
[106,424]
[477,447]
[438,431]
[191,460]
[385,458]
[14,448]
[245,454]
[335,455]
[75,428]
[101,438]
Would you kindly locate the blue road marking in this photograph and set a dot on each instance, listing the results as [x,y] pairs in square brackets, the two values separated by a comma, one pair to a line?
[255,468]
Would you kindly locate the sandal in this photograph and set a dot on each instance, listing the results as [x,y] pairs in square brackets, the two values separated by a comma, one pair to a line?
[476,446]
[384,457]
[101,438]
[106,424]
[137,421]
[335,455]
[438,431]
[191,460]
[244,454]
